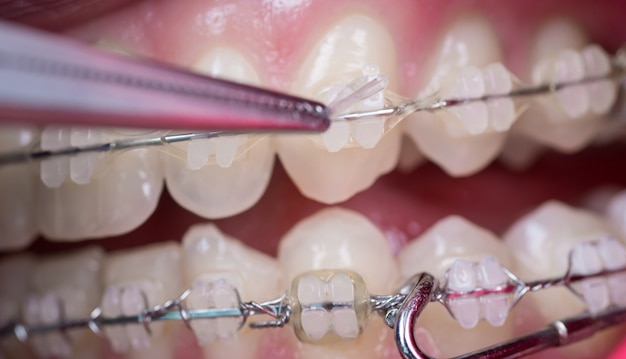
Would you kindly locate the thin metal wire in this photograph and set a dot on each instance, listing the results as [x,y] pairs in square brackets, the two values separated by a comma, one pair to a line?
[399,111]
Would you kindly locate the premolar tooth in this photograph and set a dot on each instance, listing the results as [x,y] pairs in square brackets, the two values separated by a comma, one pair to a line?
[460,139]
[602,94]
[561,119]
[137,280]
[455,243]
[542,242]
[54,170]
[216,264]
[338,239]
[222,176]
[337,67]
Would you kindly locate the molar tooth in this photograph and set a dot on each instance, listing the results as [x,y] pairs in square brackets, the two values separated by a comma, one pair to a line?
[542,242]
[335,166]
[140,279]
[222,176]
[329,242]
[455,244]
[215,264]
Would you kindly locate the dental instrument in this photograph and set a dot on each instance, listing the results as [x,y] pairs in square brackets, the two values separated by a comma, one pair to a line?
[47,78]
[399,310]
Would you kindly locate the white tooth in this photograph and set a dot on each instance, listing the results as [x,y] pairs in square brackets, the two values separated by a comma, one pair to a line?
[542,242]
[410,156]
[613,255]
[461,277]
[83,166]
[520,153]
[460,139]
[616,211]
[144,278]
[223,176]
[211,257]
[14,288]
[569,67]
[501,111]
[198,152]
[368,132]
[337,136]
[18,224]
[602,94]
[112,307]
[585,261]
[226,148]
[54,170]
[323,167]
[495,307]
[339,239]
[450,244]
[116,202]
[560,120]
[66,287]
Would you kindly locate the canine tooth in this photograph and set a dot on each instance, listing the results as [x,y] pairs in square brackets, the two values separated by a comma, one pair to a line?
[542,242]
[116,202]
[340,239]
[223,176]
[212,257]
[459,139]
[18,224]
[137,280]
[327,168]
[83,166]
[65,287]
[602,94]
[456,240]
[54,170]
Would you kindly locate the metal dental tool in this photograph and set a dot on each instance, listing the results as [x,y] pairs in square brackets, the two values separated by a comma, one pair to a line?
[46,78]
[399,310]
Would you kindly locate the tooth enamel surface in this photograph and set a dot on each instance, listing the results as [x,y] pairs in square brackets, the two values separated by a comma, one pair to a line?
[465,138]
[455,244]
[136,280]
[118,199]
[569,118]
[18,223]
[222,176]
[541,243]
[602,94]
[349,157]
[334,240]
[215,264]
[65,288]
[14,288]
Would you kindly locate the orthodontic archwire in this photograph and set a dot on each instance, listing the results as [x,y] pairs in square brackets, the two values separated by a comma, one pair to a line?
[230,107]
[596,273]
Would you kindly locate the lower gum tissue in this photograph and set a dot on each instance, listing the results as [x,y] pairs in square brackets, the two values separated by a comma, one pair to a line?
[403,205]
